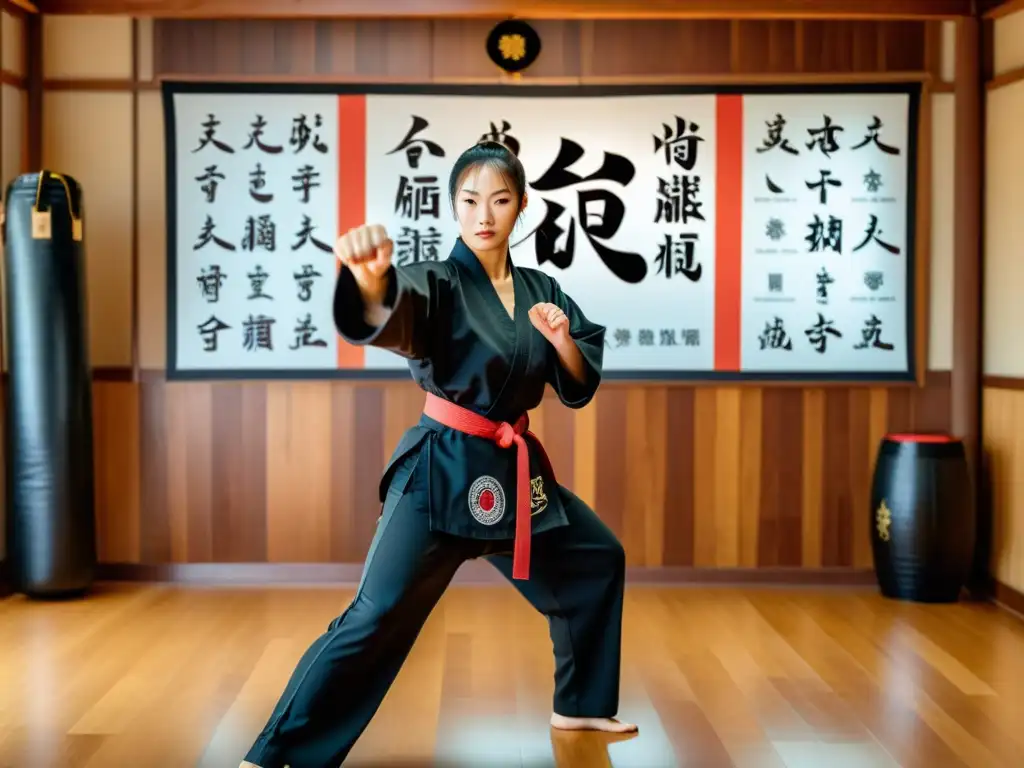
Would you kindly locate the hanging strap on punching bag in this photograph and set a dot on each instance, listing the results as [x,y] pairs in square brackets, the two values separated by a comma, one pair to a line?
[42,222]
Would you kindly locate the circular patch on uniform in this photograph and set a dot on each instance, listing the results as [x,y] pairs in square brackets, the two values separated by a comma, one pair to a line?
[486,500]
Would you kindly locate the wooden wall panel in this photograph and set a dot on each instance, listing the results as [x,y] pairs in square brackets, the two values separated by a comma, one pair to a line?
[87,47]
[425,50]
[1002,427]
[1003,398]
[688,476]
[97,161]
[709,477]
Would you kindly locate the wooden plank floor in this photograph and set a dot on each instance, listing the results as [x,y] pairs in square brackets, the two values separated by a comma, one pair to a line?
[169,677]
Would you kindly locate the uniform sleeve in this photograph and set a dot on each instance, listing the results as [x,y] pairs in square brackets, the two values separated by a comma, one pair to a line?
[589,337]
[413,298]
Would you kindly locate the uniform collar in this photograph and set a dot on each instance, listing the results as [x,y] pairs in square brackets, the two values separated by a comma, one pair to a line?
[462,254]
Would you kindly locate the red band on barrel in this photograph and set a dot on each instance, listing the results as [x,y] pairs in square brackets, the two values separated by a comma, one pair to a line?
[506,435]
[920,438]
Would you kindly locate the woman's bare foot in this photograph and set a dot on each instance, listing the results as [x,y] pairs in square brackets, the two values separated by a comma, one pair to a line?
[605,724]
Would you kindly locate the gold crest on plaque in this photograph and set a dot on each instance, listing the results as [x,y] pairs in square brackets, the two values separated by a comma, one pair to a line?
[538,499]
[883,520]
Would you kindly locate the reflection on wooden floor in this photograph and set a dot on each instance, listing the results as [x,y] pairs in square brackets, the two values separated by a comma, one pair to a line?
[167,677]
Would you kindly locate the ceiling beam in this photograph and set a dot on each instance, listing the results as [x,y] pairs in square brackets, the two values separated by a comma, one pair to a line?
[996,9]
[524,9]
[18,7]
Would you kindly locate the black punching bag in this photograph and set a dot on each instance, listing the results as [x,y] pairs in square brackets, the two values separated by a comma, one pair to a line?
[51,527]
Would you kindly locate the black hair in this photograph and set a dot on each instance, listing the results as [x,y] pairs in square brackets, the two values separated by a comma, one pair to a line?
[498,156]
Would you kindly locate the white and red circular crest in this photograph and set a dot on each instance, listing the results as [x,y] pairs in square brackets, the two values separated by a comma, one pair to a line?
[486,500]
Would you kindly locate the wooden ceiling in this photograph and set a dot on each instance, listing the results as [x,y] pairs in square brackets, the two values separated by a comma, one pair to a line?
[528,9]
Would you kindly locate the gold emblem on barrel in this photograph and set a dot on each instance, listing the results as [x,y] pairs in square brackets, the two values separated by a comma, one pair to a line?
[883,520]
[512,46]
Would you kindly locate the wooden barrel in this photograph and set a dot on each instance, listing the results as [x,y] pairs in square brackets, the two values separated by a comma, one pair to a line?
[922,518]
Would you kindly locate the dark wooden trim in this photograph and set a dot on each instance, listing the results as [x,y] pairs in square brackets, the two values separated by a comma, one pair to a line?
[965,382]
[12,78]
[990,589]
[996,10]
[529,9]
[34,86]
[136,126]
[933,49]
[112,373]
[125,86]
[20,9]
[724,78]
[988,50]
[472,572]
[721,78]
[5,580]
[1006,78]
[922,233]
[1003,382]
[1008,598]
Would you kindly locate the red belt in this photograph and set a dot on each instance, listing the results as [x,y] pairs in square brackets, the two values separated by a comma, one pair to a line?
[504,434]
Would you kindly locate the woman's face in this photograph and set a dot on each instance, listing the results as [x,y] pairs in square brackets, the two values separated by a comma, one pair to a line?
[487,209]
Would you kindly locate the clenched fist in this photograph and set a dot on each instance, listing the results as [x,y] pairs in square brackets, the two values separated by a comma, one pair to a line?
[366,253]
[551,321]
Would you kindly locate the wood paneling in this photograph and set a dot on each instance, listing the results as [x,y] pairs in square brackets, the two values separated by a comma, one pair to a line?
[1003,480]
[738,477]
[440,49]
[503,9]
[723,477]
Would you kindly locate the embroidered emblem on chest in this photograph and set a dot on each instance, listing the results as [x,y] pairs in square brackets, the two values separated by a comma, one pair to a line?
[486,500]
[538,499]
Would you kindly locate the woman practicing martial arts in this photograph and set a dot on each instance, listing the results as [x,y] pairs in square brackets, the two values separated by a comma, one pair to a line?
[482,337]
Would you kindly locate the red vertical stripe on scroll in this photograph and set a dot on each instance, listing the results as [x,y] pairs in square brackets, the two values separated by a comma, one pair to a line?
[728,231]
[351,191]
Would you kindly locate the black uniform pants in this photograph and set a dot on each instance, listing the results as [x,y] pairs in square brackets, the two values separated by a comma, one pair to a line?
[576,581]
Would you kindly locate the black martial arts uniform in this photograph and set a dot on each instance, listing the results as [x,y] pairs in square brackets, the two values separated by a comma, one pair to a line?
[449,496]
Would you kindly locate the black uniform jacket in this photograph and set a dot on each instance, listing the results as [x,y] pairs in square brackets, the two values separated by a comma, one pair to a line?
[448,321]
